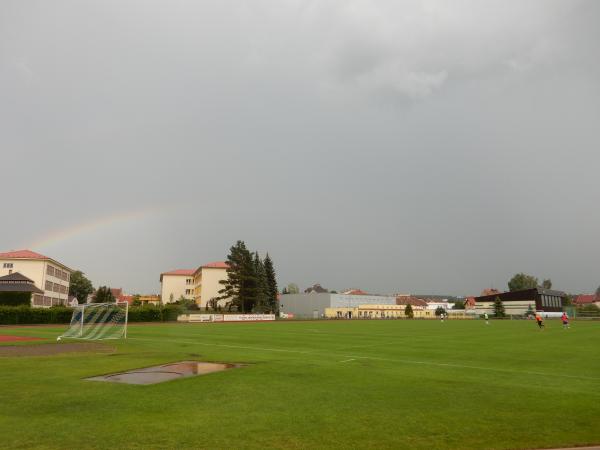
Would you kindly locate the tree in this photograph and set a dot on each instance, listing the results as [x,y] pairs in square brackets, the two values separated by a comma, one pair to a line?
[499,308]
[187,303]
[263,303]
[293,288]
[239,289]
[460,304]
[135,300]
[408,311]
[530,311]
[104,295]
[547,283]
[439,311]
[271,284]
[213,304]
[598,294]
[80,287]
[522,281]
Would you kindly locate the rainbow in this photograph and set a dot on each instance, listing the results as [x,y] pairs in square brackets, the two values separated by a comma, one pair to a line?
[64,234]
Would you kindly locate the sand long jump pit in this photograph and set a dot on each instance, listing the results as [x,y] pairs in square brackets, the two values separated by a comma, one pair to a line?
[166,372]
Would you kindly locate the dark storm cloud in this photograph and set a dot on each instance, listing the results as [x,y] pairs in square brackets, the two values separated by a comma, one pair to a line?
[393,146]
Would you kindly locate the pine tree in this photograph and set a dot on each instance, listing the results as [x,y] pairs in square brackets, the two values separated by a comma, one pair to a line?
[240,286]
[262,304]
[271,285]
[408,311]
[499,308]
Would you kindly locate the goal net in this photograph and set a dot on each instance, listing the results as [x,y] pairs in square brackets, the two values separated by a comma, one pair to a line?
[98,321]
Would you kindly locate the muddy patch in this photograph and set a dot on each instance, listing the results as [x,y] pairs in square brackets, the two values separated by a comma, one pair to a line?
[54,349]
[165,372]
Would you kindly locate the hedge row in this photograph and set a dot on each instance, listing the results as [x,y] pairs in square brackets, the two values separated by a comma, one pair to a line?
[22,315]
[15,315]
[15,298]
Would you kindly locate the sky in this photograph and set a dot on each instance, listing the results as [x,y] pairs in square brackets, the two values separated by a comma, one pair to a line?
[393,146]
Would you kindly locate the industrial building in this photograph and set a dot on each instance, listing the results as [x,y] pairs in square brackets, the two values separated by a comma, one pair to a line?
[314,306]
[519,302]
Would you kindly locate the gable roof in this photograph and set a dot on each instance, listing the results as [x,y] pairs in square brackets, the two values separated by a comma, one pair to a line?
[584,299]
[16,282]
[15,278]
[22,254]
[28,254]
[413,301]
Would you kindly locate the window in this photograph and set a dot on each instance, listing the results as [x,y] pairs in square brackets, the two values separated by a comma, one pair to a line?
[7,265]
[48,286]
[188,281]
[50,270]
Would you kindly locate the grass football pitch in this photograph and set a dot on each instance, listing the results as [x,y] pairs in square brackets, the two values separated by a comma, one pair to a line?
[318,384]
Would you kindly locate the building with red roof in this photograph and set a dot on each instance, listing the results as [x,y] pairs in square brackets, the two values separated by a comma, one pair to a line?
[201,284]
[586,299]
[48,275]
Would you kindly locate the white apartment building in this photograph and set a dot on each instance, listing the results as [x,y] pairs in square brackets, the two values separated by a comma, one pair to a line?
[200,285]
[49,275]
[176,284]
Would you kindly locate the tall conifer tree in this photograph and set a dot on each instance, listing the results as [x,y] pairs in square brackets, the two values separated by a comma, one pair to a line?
[271,284]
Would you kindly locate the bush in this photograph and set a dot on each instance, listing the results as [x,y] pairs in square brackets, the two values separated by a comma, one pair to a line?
[22,315]
[151,313]
[15,315]
[15,298]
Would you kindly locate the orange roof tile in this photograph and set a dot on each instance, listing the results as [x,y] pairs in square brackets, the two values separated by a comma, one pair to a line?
[24,254]
[180,272]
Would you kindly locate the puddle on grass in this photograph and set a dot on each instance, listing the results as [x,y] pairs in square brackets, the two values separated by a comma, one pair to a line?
[165,372]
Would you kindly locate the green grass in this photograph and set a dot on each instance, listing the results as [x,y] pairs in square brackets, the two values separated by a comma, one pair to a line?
[338,384]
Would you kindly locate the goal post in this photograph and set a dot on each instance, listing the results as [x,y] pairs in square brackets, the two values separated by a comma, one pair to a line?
[94,321]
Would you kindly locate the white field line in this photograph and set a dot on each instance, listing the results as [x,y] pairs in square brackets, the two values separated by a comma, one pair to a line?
[375,358]
[347,360]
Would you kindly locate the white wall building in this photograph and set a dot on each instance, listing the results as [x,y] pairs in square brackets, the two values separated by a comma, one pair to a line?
[200,285]
[176,284]
[49,275]
[313,305]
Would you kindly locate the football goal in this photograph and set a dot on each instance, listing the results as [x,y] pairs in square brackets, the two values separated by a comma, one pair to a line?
[98,321]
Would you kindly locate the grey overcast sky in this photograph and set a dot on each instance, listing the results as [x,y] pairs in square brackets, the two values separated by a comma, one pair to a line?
[401,146]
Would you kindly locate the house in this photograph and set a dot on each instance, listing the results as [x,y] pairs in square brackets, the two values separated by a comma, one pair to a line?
[587,299]
[16,289]
[176,284]
[315,305]
[207,282]
[201,284]
[416,303]
[48,275]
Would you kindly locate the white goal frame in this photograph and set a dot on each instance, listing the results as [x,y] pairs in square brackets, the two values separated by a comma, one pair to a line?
[77,330]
